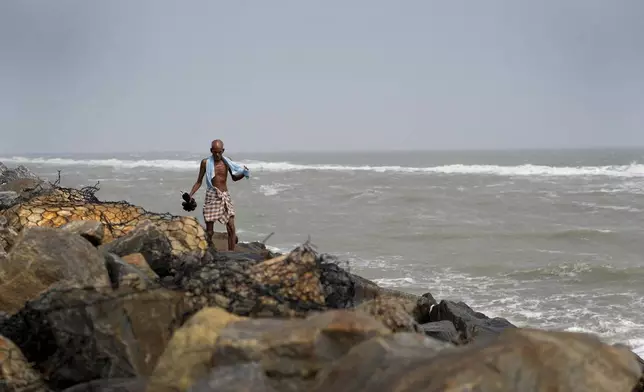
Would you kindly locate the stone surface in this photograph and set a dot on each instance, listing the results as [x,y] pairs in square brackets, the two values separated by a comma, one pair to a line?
[470,324]
[93,231]
[122,273]
[381,357]
[518,360]
[16,374]
[443,331]
[111,385]
[7,199]
[148,240]
[296,277]
[187,358]
[424,305]
[79,335]
[392,313]
[138,260]
[20,172]
[246,285]
[42,257]
[8,235]
[60,206]
[248,377]
[292,351]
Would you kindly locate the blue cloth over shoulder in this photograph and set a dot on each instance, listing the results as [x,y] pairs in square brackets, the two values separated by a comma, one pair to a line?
[235,168]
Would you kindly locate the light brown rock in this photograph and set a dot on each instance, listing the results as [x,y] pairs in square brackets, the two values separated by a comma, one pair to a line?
[187,358]
[518,360]
[16,374]
[43,257]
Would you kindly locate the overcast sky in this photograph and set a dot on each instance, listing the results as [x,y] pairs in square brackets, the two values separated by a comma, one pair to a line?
[141,75]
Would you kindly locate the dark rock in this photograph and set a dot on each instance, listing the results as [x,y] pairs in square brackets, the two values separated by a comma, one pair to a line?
[249,377]
[443,331]
[518,360]
[470,324]
[149,240]
[111,385]
[423,308]
[255,247]
[339,286]
[92,231]
[43,257]
[7,199]
[79,335]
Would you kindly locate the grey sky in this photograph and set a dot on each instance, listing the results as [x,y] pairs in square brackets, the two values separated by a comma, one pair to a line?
[124,75]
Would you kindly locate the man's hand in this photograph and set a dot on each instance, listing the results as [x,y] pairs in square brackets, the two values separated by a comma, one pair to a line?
[189,203]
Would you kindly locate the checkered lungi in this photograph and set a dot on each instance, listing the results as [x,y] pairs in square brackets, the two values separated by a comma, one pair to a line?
[218,206]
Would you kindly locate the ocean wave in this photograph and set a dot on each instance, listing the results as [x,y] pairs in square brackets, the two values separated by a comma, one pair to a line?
[632,170]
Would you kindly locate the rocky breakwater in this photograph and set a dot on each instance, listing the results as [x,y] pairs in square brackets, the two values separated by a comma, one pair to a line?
[83,312]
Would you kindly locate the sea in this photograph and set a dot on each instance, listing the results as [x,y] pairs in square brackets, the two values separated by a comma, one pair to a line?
[550,239]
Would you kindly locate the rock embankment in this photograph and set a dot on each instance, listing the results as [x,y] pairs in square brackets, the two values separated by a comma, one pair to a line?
[93,303]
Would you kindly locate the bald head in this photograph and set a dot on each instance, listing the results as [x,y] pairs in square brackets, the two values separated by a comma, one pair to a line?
[217,148]
[217,143]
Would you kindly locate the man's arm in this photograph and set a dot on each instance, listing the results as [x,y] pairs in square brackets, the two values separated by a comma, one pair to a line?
[202,172]
[233,177]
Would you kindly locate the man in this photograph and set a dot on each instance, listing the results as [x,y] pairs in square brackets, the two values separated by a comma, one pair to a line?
[218,206]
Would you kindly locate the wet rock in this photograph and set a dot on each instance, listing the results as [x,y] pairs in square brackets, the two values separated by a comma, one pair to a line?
[43,257]
[16,374]
[338,286]
[249,377]
[443,331]
[518,360]
[390,355]
[122,273]
[111,385]
[187,357]
[470,324]
[148,240]
[423,308]
[92,231]
[392,313]
[79,335]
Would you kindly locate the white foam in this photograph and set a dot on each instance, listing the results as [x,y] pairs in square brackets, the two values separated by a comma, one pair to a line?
[632,170]
[273,189]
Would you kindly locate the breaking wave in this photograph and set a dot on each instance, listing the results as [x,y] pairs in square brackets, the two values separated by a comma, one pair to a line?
[633,170]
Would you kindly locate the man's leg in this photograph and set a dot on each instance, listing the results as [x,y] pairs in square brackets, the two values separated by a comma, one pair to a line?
[232,234]
[210,231]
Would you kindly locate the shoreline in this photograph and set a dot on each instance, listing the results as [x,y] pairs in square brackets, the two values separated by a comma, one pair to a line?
[141,292]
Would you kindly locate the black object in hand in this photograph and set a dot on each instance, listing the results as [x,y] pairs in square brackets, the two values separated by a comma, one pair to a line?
[189,203]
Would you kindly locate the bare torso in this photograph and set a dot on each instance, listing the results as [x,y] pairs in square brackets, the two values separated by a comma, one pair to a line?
[221,176]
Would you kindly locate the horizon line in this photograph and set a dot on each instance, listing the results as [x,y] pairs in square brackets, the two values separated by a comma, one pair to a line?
[343,151]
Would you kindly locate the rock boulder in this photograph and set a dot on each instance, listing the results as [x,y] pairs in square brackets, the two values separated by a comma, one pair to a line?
[79,335]
[43,257]
[518,360]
